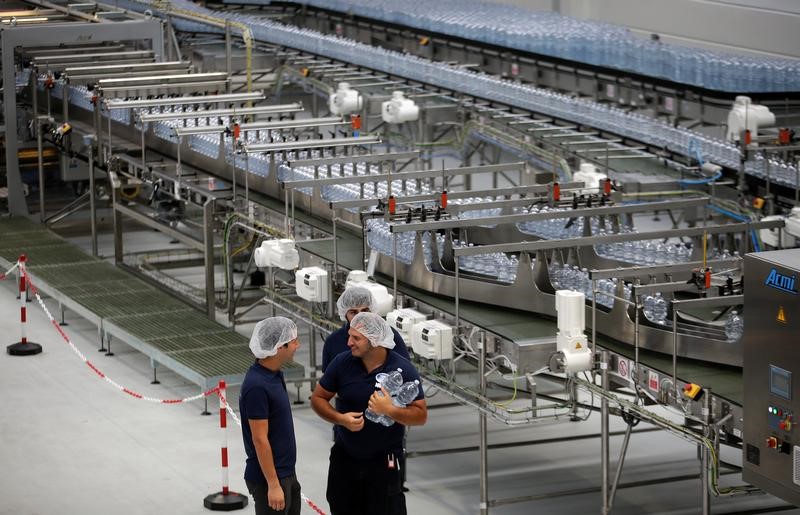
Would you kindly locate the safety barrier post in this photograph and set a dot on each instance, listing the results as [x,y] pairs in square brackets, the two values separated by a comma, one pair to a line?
[224,500]
[23,347]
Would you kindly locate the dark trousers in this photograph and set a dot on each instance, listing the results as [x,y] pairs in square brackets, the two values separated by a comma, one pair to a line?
[364,487]
[291,493]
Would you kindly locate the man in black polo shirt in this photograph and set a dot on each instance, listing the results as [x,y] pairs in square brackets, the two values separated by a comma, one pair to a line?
[352,301]
[267,426]
[364,476]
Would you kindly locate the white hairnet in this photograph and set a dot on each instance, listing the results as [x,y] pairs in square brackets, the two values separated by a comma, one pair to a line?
[352,298]
[374,328]
[271,333]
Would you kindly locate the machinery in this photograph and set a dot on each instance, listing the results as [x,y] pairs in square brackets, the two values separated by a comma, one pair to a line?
[533,220]
[771,454]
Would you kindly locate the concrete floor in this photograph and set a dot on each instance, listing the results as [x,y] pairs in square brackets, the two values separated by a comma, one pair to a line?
[72,443]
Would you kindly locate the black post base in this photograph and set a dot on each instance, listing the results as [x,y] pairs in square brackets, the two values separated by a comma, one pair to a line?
[24,349]
[220,502]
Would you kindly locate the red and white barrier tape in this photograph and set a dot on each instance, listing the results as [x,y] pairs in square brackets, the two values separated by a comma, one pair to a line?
[9,271]
[311,504]
[97,371]
[224,405]
[229,409]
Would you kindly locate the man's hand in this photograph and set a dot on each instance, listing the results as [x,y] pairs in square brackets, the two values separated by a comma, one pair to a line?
[275,497]
[353,421]
[381,402]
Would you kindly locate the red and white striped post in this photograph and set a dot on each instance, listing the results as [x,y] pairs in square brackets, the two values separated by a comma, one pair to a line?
[23,347]
[224,500]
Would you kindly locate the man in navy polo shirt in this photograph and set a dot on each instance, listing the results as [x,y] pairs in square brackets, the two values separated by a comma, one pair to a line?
[364,476]
[352,301]
[267,426]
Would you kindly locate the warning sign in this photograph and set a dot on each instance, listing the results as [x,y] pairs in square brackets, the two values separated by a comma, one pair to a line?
[652,381]
[578,345]
[622,369]
[781,315]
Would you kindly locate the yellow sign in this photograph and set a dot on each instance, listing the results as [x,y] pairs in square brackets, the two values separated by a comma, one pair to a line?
[781,315]
[578,345]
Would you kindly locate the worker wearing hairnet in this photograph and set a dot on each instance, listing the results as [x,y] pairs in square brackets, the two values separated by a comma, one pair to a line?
[353,300]
[267,426]
[364,476]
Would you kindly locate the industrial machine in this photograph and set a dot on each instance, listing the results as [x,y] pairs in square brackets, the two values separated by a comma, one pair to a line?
[479,203]
[771,454]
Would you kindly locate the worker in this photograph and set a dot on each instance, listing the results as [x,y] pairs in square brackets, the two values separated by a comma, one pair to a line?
[267,426]
[352,301]
[363,475]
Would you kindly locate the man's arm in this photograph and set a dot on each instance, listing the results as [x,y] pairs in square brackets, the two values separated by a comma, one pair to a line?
[275,497]
[321,404]
[415,414]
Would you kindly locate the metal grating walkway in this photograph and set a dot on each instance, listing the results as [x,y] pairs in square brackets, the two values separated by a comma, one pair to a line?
[162,327]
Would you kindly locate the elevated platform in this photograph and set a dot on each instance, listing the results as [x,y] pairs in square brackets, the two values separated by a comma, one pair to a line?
[168,331]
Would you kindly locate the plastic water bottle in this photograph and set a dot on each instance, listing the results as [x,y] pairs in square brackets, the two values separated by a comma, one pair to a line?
[649,306]
[659,309]
[406,394]
[392,382]
[734,327]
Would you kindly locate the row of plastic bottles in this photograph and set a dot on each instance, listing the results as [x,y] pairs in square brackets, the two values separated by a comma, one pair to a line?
[380,239]
[645,252]
[497,265]
[554,228]
[580,40]
[566,277]
[402,394]
[776,170]
[616,120]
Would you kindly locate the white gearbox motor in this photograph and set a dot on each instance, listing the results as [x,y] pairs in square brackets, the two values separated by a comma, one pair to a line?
[278,253]
[345,100]
[311,283]
[432,339]
[382,299]
[404,320]
[399,109]
[747,116]
[573,353]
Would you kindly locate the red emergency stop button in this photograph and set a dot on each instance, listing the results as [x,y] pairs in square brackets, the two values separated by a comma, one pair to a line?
[782,425]
[772,442]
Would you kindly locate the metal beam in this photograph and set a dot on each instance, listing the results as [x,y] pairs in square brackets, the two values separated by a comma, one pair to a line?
[455,195]
[365,158]
[311,143]
[531,246]
[550,215]
[294,124]
[119,103]
[425,174]
[233,111]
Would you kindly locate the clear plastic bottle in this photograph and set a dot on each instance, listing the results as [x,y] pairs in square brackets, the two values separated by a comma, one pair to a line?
[649,305]
[659,309]
[406,394]
[392,381]
[734,326]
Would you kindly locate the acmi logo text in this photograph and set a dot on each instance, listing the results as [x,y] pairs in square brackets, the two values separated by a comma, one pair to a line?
[782,282]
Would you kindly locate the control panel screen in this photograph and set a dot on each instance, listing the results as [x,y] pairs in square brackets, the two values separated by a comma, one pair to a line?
[780,382]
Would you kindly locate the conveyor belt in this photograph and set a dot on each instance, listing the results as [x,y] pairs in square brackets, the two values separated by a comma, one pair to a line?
[724,381]
[167,330]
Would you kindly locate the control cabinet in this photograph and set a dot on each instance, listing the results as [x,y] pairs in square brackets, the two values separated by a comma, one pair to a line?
[771,443]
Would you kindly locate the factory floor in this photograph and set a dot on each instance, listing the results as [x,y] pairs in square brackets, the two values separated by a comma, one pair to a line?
[73,443]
